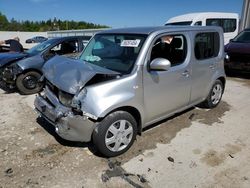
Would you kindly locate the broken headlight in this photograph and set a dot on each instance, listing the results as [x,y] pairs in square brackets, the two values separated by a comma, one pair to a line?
[65,98]
[76,101]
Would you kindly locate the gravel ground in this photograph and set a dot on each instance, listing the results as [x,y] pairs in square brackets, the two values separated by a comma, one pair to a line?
[197,148]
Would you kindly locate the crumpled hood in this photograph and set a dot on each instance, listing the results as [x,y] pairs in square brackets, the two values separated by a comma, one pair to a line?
[237,47]
[7,57]
[71,75]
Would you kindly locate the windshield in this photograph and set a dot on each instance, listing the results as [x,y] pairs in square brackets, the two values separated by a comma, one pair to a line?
[117,52]
[41,47]
[244,36]
[180,23]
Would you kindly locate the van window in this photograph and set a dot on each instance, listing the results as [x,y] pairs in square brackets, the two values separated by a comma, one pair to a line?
[171,47]
[228,25]
[207,45]
[198,23]
[180,23]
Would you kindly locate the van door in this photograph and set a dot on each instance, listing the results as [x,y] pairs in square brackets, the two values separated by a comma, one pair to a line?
[167,91]
[206,50]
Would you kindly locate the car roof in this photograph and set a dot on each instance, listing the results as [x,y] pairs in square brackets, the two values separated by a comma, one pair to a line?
[149,30]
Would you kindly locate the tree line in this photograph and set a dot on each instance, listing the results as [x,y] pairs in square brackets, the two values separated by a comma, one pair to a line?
[49,25]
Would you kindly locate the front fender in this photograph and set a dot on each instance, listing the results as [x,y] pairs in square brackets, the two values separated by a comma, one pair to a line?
[34,62]
[103,98]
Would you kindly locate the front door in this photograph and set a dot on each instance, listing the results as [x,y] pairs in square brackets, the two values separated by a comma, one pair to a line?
[168,91]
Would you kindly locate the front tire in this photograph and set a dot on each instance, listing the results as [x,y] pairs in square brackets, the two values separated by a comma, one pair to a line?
[115,134]
[215,95]
[28,83]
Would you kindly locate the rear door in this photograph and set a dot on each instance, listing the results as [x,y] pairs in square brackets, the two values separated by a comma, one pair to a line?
[206,50]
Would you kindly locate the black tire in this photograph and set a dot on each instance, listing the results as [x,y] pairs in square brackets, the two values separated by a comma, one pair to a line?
[214,98]
[28,83]
[102,131]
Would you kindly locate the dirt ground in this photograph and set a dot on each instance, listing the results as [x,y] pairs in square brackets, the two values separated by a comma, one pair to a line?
[197,148]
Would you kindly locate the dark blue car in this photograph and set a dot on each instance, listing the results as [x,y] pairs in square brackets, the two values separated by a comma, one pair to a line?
[238,52]
[23,70]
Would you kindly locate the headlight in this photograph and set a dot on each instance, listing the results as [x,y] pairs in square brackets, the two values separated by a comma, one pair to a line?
[76,101]
[65,98]
[16,68]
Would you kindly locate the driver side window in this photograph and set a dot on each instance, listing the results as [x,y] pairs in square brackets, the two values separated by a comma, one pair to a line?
[170,47]
[64,48]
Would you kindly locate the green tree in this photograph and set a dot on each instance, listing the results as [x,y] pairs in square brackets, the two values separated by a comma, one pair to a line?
[3,22]
[48,25]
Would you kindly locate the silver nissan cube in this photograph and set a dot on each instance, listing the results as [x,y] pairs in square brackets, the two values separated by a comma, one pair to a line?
[127,79]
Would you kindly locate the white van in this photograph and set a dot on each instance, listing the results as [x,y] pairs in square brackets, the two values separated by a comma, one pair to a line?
[228,21]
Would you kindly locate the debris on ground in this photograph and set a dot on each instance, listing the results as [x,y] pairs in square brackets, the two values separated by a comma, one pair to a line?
[171,159]
[9,172]
[115,170]
[231,156]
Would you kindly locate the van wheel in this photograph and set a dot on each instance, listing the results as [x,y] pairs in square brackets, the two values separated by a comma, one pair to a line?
[28,83]
[115,134]
[215,95]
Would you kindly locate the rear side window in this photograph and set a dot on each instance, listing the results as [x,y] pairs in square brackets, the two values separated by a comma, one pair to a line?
[207,45]
[228,25]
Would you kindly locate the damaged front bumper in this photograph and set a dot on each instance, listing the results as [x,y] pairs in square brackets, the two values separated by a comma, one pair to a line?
[9,74]
[67,125]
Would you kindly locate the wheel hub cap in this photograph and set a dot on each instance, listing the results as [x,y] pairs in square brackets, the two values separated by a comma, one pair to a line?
[30,82]
[119,135]
[217,93]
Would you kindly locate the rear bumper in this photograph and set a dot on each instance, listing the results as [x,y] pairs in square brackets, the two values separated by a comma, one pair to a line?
[67,125]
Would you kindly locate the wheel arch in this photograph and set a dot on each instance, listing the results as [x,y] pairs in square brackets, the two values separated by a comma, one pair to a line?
[31,69]
[223,80]
[134,112]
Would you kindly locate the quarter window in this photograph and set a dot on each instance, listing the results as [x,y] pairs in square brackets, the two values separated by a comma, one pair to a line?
[207,45]
[228,25]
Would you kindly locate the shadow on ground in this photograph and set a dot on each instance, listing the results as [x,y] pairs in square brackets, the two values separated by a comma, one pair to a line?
[51,130]
[160,132]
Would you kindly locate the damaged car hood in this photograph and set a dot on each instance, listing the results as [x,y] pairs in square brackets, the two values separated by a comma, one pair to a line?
[7,57]
[71,75]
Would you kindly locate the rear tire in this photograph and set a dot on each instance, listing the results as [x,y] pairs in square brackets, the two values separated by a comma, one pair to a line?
[28,83]
[115,134]
[215,95]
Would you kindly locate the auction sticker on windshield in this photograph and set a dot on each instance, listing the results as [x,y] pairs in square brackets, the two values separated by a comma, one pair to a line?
[130,43]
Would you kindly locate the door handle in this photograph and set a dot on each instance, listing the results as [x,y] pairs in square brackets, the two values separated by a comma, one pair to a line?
[212,66]
[185,73]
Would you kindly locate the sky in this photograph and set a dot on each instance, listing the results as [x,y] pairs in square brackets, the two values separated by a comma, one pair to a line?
[113,13]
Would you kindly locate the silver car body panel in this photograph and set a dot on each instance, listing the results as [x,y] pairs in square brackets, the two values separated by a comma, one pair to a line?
[154,94]
[122,92]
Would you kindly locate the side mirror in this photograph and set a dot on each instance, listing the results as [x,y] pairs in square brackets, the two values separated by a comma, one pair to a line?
[160,64]
[231,40]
